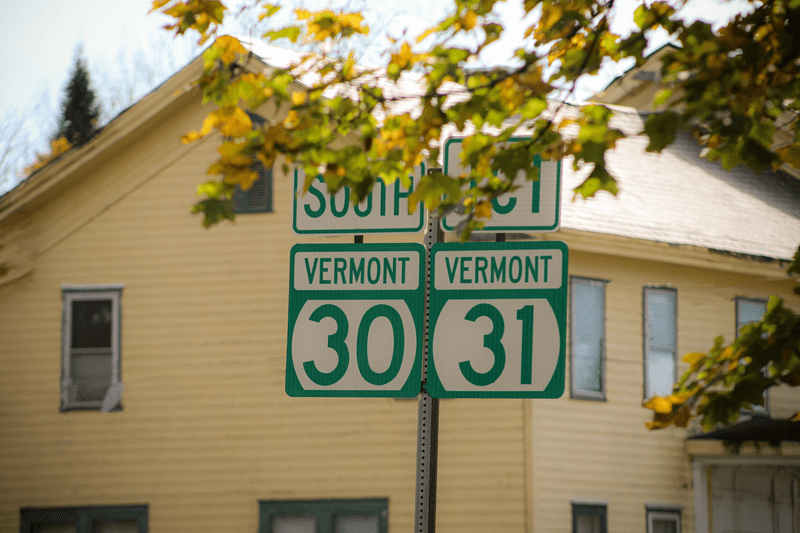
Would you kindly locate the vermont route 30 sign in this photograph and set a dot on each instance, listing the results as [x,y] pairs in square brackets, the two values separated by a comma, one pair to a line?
[355,320]
[498,320]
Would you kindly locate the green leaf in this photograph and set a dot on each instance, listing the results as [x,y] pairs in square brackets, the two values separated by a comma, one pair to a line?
[641,16]
[291,32]
[215,211]
[661,97]
[661,128]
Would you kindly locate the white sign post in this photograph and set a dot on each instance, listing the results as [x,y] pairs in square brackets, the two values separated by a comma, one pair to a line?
[385,210]
[535,206]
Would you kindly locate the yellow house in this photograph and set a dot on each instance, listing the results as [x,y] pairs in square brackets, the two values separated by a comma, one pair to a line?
[142,357]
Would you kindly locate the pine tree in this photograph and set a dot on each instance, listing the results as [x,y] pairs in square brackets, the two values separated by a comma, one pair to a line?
[80,110]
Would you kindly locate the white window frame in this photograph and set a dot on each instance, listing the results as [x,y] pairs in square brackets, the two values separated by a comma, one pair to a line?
[88,293]
[663,514]
[645,337]
[575,392]
[755,409]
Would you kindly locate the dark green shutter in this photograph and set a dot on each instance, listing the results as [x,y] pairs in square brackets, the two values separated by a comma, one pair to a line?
[258,198]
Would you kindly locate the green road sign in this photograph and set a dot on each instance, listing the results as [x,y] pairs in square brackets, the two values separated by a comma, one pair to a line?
[535,206]
[355,320]
[498,320]
[385,210]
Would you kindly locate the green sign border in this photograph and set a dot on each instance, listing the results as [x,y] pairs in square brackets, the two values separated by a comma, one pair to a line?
[556,297]
[415,299]
[495,229]
[363,231]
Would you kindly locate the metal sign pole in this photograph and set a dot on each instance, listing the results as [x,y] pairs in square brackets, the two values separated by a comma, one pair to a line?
[428,410]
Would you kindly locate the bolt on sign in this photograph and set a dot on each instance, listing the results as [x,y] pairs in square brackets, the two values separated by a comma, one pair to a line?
[355,320]
[498,320]
[535,206]
[385,210]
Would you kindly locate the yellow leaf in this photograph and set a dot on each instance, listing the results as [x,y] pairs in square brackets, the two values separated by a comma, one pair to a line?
[678,398]
[693,358]
[298,98]
[682,418]
[659,404]
[230,46]
[352,20]
[484,210]
[469,20]
[233,121]
[158,4]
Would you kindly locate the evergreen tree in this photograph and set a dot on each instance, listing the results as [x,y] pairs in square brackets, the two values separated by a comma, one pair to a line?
[80,110]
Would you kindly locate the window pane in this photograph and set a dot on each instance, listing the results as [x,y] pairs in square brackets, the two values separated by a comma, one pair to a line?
[660,372]
[357,524]
[54,528]
[294,524]
[91,324]
[586,369]
[126,526]
[661,318]
[749,312]
[587,335]
[588,524]
[664,526]
[91,376]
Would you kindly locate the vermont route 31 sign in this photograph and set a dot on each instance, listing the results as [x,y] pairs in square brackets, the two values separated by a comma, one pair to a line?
[498,320]
[355,320]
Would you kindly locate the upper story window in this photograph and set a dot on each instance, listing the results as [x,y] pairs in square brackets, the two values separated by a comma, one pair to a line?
[660,341]
[91,348]
[324,516]
[258,198]
[749,311]
[587,338]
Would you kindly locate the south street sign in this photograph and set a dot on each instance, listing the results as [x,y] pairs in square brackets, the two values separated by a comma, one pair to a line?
[355,320]
[535,206]
[498,320]
[385,210]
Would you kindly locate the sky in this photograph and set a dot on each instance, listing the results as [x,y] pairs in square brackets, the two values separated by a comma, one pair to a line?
[126,48]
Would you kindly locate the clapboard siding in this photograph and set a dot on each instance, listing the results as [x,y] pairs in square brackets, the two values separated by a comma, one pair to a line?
[589,451]
[207,429]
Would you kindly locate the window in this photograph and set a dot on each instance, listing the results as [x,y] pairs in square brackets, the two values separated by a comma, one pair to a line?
[258,198]
[589,518]
[118,519]
[660,341]
[587,330]
[663,521]
[749,311]
[324,516]
[91,353]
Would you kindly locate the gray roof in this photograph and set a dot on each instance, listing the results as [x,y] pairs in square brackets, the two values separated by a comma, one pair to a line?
[674,197]
[678,197]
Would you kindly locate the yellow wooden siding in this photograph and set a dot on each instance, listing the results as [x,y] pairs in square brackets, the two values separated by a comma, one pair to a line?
[591,451]
[207,429]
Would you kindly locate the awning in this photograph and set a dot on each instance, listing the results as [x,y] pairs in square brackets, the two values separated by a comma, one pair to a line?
[758,428]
